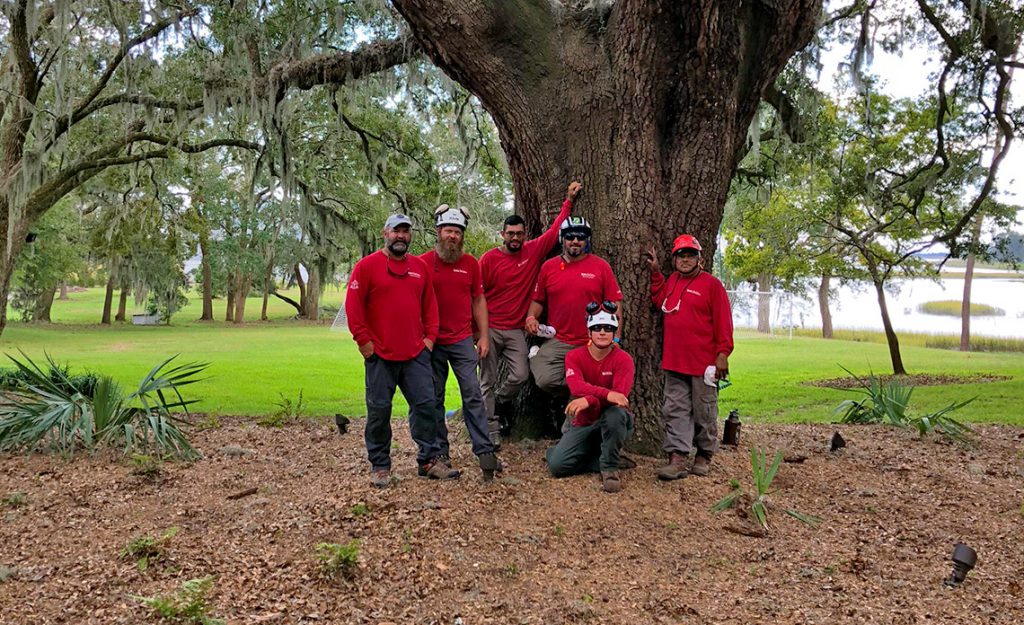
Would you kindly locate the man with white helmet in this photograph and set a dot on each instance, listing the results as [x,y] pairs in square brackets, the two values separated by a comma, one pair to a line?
[600,378]
[695,355]
[509,275]
[461,304]
[566,284]
[392,314]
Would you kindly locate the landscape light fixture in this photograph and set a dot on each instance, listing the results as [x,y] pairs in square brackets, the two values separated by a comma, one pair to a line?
[341,421]
[838,442]
[964,559]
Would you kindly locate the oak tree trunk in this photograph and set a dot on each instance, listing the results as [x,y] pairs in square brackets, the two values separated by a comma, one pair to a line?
[63,291]
[204,242]
[965,304]
[764,303]
[302,289]
[826,313]
[122,305]
[890,334]
[646,102]
[229,314]
[43,306]
[311,299]
[108,299]
[241,291]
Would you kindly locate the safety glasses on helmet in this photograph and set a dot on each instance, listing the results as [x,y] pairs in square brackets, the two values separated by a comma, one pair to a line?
[608,305]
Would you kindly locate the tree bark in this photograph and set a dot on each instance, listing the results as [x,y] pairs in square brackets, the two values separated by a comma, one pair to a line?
[241,291]
[122,305]
[823,307]
[43,306]
[965,304]
[63,291]
[204,243]
[764,303]
[311,301]
[229,314]
[108,299]
[890,334]
[646,102]
[302,289]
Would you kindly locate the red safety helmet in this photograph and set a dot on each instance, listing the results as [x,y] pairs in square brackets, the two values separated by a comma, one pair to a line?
[685,242]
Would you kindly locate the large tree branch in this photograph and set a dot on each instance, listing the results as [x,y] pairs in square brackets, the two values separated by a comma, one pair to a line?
[64,124]
[783,104]
[341,67]
[149,33]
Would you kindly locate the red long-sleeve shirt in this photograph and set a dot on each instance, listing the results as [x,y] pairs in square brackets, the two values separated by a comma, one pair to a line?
[391,302]
[455,286]
[509,278]
[565,289]
[593,379]
[699,326]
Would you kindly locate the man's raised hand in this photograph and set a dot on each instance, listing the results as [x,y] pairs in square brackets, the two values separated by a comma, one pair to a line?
[574,190]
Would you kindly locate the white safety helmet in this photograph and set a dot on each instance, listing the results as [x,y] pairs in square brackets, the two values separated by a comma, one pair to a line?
[602,314]
[448,216]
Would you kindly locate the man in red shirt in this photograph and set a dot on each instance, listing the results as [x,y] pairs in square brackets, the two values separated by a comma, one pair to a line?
[509,275]
[695,355]
[392,314]
[600,378]
[460,303]
[566,284]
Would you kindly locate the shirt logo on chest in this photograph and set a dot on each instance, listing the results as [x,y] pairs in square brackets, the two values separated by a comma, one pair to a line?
[697,293]
[460,271]
[414,274]
[587,275]
[521,263]
[607,373]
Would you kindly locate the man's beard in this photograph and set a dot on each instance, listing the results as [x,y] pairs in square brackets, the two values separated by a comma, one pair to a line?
[510,243]
[575,251]
[398,247]
[448,251]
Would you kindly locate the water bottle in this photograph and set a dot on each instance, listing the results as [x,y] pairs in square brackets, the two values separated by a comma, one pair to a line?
[731,432]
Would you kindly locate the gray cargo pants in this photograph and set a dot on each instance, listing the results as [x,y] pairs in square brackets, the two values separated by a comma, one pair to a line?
[548,366]
[463,359]
[690,415]
[509,345]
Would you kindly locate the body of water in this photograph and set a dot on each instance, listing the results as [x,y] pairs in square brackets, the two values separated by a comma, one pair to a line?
[856,307]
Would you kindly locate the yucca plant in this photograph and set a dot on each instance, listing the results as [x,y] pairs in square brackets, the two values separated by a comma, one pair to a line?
[763,474]
[51,409]
[888,402]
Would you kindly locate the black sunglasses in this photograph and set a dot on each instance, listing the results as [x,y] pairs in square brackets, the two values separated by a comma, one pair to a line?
[574,236]
[603,328]
[609,306]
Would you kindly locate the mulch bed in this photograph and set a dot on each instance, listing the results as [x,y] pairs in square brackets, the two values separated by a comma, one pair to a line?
[916,379]
[526,549]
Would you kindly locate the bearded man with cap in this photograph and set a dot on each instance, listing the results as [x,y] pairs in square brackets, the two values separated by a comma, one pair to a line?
[392,313]
[566,284]
[600,378]
[460,304]
[695,355]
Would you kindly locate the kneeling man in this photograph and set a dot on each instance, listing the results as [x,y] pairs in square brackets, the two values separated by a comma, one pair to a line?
[600,377]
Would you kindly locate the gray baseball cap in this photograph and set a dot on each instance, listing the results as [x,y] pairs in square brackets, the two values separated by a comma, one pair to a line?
[397,220]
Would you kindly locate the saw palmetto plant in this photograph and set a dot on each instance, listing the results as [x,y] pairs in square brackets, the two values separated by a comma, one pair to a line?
[763,474]
[49,410]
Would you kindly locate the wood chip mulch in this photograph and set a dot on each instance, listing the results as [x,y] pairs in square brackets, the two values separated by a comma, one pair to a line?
[526,549]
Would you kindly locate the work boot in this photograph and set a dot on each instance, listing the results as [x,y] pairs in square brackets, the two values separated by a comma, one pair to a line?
[503,412]
[610,481]
[701,466]
[675,469]
[626,463]
[438,469]
[495,437]
[380,478]
[488,466]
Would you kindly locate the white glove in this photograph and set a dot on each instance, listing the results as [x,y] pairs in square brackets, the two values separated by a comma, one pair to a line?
[546,332]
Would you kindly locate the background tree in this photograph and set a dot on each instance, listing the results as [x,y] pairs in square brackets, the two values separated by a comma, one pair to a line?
[53,256]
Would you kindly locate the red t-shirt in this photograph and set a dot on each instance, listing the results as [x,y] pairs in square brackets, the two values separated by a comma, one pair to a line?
[509,278]
[396,312]
[565,289]
[455,286]
[592,379]
[700,329]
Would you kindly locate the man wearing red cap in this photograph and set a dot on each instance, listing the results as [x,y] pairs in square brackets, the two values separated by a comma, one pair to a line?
[392,313]
[695,355]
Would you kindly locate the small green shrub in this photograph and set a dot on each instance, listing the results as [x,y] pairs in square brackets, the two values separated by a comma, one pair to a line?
[147,466]
[146,550]
[51,409]
[888,403]
[338,560]
[187,605]
[763,474]
[360,509]
[952,308]
[15,500]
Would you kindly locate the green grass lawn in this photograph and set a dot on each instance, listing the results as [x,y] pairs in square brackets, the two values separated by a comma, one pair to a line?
[252,365]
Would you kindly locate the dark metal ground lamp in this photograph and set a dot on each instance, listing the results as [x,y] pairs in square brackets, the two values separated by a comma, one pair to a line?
[964,559]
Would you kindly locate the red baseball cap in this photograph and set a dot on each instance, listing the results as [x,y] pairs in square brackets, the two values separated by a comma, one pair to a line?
[685,242]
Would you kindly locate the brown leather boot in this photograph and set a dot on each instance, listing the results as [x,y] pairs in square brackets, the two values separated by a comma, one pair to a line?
[675,469]
[610,481]
[701,466]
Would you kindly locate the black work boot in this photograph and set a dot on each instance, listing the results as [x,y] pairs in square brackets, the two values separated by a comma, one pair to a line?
[488,466]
